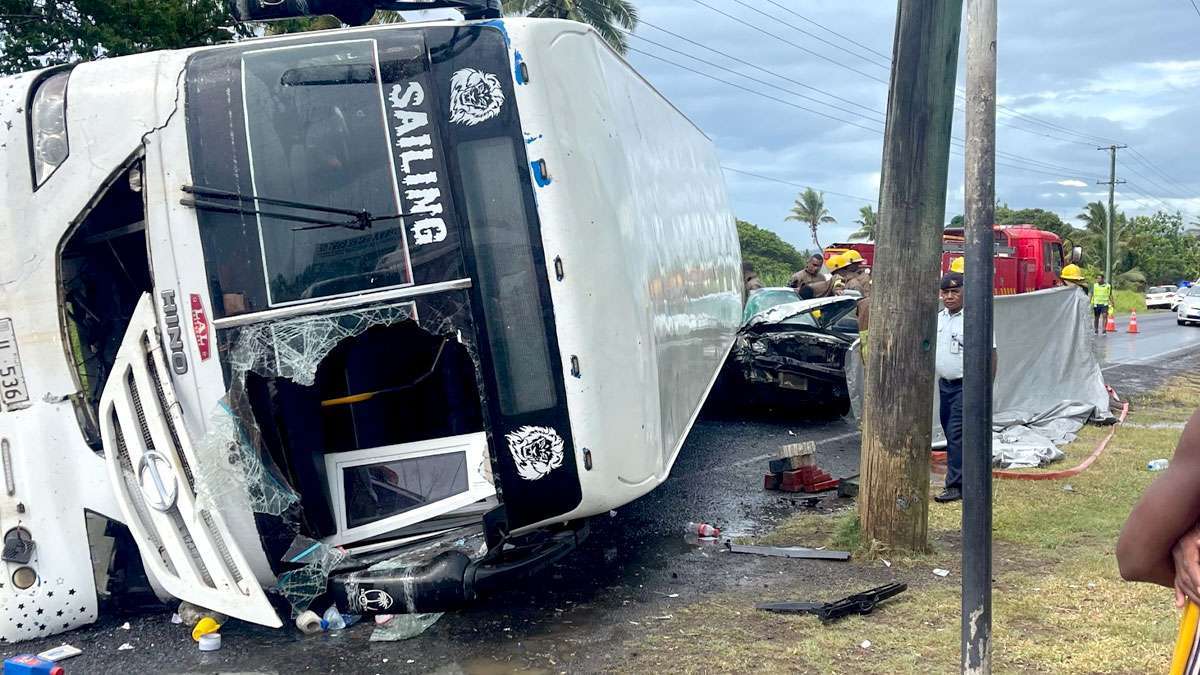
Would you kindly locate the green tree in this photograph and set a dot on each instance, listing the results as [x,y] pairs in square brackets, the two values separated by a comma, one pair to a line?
[608,17]
[1040,218]
[325,22]
[39,33]
[810,208]
[1160,247]
[1092,237]
[866,223]
[773,258]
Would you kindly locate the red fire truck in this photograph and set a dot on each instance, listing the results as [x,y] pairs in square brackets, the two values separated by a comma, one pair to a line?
[1027,259]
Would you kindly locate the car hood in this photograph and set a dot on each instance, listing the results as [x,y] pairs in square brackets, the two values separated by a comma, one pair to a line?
[784,312]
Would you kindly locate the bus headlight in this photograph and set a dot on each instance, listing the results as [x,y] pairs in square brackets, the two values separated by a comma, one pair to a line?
[48,126]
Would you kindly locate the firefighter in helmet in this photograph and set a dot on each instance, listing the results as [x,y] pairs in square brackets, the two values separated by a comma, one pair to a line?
[1071,275]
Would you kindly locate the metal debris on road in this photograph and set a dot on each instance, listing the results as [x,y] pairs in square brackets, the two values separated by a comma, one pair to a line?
[859,603]
[60,653]
[788,552]
[125,646]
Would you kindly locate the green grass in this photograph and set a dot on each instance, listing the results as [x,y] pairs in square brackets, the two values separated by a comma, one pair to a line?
[1126,300]
[1059,605]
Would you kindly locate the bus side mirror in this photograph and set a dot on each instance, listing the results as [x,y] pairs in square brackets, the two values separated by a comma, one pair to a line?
[1076,255]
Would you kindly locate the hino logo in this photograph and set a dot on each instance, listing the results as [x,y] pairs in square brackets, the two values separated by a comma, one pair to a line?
[174,333]
[157,479]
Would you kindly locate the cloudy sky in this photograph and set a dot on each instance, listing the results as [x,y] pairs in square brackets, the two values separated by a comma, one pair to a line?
[1072,76]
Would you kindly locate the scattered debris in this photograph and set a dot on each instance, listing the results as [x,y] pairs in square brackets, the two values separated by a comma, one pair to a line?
[60,653]
[848,487]
[205,626]
[332,619]
[125,646]
[612,514]
[664,617]
[176,619]
[794,469]
[1157,465]
[788,552]
[939,572]
[403,627]
[210,642]
[308,622]
[859,603]
[1068,488]
[31,665]
[673,595]
[191,614]
[794,456]
[702,530]
[866,644]
[886,563]
[125,626]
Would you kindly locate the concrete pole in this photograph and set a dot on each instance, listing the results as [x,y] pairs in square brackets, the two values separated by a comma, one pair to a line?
[980,189]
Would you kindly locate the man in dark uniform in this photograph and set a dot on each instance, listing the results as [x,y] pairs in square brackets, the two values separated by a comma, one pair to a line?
[949,369]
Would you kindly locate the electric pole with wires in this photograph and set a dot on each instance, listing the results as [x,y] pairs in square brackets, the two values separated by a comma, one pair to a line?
[1112,184]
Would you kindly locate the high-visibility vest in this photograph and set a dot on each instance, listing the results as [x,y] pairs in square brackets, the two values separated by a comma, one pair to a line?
[1101,295]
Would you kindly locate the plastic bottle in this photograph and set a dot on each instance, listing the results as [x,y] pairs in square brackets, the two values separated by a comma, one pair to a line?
[702,530]
[332,619]
[1157,465]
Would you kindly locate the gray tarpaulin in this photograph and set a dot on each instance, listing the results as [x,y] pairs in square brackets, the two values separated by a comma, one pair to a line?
[1048,384]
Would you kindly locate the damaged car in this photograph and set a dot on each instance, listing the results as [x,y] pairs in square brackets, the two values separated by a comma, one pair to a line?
[794,354]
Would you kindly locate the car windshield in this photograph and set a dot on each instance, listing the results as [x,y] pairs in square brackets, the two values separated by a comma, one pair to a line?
[762,300]
[1194,292]
[821,317]
[1156,289]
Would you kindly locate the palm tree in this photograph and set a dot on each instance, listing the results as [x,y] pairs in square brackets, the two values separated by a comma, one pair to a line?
[1095,231]
[866,223]
[608,17]
[810,208]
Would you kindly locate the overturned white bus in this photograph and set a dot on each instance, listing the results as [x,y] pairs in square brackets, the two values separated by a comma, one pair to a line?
[447,288]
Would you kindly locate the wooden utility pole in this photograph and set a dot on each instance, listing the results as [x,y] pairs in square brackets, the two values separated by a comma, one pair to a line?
[898,396]
[980,189]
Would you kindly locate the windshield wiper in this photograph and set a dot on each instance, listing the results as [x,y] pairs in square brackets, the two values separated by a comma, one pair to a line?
[223,201]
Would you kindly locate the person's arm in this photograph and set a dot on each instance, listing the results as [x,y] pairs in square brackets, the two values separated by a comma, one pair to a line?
[1167,511]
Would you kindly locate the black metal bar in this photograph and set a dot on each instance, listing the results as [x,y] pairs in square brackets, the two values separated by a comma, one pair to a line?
[980,185]
[227,208]
[237,196]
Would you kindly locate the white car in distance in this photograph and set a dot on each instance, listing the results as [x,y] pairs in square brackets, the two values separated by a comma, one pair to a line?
[1162,297]
[1188,309]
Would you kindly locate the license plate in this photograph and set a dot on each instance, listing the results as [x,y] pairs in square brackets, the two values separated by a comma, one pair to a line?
[790,381]
[12,376]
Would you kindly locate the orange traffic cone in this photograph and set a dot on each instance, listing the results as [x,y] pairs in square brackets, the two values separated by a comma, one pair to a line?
[1133,322]
[1111,326]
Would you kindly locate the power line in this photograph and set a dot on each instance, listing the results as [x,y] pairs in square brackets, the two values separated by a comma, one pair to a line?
[753,91]
[752,65]
[877,115]
[796,28]
[1195,7]
[801,185]
[1031,164]
[880,115]
[886,57]
[789,42]
[1144,161]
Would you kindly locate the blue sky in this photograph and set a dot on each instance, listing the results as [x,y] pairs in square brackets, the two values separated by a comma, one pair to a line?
[1071,76]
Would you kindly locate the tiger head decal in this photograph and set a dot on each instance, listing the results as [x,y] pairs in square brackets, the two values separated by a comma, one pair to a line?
[535,450]
[475,96]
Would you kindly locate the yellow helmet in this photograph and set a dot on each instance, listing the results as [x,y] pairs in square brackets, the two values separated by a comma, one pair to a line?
[957,265]
[839,261]
[1071,273]
[853,256]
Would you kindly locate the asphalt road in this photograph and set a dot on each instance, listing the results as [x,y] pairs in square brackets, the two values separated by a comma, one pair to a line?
[636,567]
[1159,338]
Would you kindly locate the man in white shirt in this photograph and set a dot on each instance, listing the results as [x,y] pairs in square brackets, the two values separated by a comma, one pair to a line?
[949,369]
